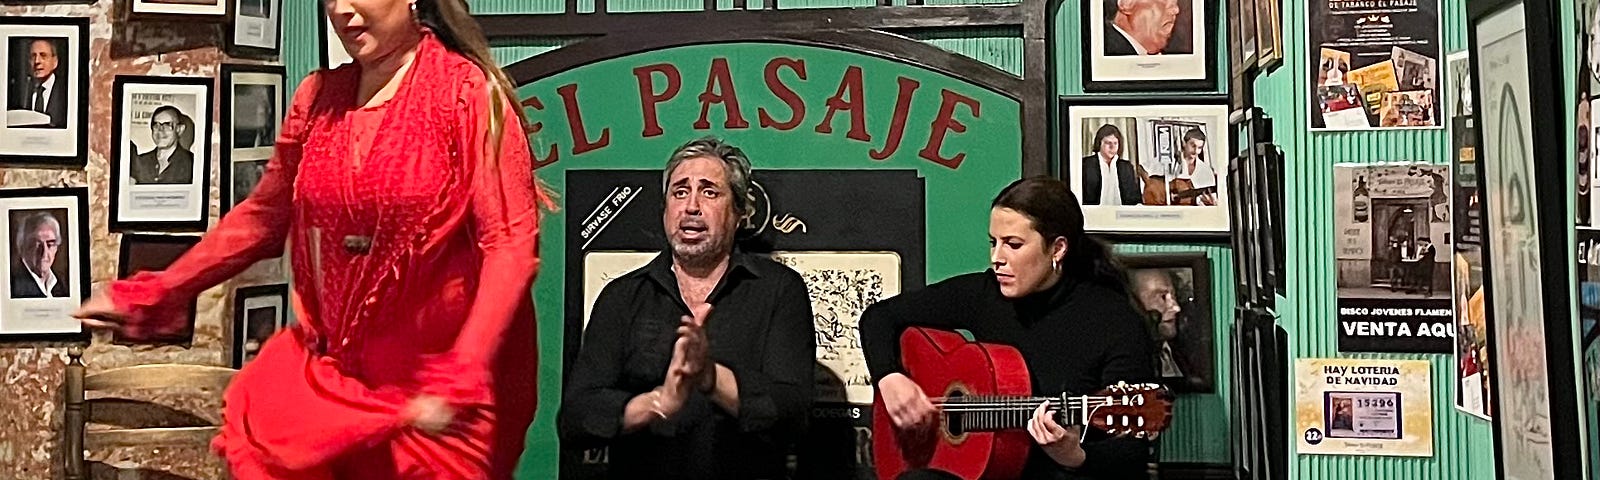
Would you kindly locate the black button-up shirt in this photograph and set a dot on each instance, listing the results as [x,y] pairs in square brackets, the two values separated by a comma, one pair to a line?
[760,328]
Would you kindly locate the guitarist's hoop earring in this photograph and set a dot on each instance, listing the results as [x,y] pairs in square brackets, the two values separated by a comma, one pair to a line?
[1055,265]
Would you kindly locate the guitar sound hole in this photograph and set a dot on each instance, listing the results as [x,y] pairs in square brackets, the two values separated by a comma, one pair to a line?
[953,420]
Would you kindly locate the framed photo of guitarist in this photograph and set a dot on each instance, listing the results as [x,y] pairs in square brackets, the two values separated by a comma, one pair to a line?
[1148,167]
[1175,291]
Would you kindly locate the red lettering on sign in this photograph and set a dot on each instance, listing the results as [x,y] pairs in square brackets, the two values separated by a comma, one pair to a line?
[850,85]
[897,127]
[946,122]
[724,95]
[580,138]
[533,129]
[648,98]
[797,107]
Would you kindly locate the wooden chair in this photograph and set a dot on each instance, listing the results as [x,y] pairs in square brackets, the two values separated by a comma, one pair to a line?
[79,411]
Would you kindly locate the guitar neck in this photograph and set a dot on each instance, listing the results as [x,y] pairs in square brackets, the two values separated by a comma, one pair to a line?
[990,413]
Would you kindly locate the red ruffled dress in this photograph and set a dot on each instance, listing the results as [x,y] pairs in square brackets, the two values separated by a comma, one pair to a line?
[414,250]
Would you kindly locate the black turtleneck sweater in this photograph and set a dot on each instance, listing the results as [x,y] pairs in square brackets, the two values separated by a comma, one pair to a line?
[1076,337]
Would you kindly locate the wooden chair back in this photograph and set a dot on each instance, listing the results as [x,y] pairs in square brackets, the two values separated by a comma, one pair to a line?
[79,410]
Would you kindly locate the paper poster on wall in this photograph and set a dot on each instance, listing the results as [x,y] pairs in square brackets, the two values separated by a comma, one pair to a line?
[1588,88]
[1347,406]
[1588,285]
[1466,282]
[1393,223]
[1378,64]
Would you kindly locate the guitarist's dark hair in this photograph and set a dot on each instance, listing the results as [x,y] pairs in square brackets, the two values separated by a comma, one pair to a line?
[1054,212]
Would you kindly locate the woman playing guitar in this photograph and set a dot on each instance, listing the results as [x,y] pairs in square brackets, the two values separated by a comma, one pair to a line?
[1055,295]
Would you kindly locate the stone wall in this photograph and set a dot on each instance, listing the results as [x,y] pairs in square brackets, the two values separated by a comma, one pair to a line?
[30,402]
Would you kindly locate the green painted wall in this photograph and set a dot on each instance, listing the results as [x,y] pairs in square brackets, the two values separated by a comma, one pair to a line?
[1463,445]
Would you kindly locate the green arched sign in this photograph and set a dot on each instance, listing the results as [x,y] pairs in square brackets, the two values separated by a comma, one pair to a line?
[857,149]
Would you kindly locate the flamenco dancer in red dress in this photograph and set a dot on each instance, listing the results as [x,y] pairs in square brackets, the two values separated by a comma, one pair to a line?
[403,186]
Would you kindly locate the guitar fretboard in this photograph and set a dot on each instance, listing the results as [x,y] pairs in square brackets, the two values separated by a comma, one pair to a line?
[988,413]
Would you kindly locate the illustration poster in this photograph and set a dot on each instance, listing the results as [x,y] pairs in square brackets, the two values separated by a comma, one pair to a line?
[1393,238]
[1466,292]
[1377,65]
[1347,406]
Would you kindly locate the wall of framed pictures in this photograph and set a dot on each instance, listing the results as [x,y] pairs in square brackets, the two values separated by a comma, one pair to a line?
[112,119]
[1465,423]
[1159,107]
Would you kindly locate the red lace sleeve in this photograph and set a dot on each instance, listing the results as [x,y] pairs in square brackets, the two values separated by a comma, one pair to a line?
[157,302]
[504,221]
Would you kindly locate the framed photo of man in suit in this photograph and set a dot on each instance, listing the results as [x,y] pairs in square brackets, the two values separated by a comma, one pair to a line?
[44,63]
[1148,169]
[252,109]
[1132,45]
[47,267]
[160,142]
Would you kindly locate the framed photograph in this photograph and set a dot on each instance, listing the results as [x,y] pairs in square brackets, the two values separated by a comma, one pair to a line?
[258,312]
[333,52]
[256,28]
[1249,46]
[154,253]
[252,109]
[1273,235]
[1269,34]
[1125,51]
[1239,236]
[1257,227]
[1175,291]
[1522,162]
[1149,166]
[160,143]
[176,8]
[48,241]
[46,61]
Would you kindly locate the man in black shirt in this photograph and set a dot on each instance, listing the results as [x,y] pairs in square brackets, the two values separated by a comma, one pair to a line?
[675,389]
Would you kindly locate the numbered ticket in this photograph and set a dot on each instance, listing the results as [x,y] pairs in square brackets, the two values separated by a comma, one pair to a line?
[1363,415]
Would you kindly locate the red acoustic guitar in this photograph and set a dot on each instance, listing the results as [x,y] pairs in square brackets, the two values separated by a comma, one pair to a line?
[983,394]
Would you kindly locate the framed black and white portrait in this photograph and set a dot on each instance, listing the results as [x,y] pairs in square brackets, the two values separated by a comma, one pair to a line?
[154,253]
[48,262]
[1174,290]
[256,28]
[252,109]
[176,8]
[333,52]
[46,68]
[1148,167]
[161,139]
[258,313]
[1149,45]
